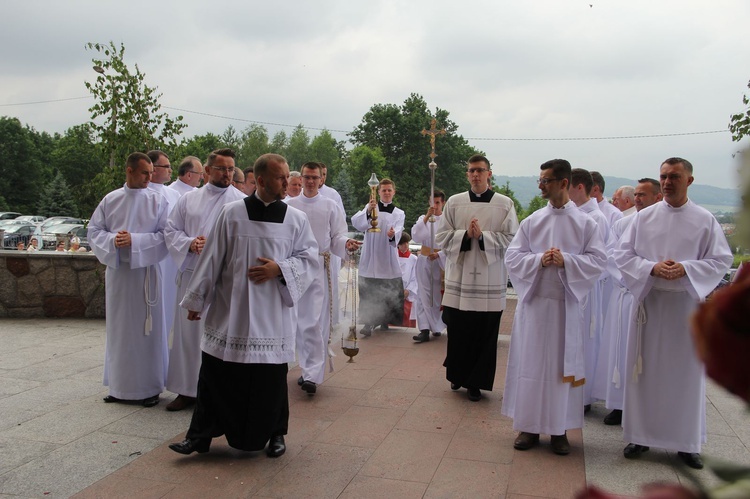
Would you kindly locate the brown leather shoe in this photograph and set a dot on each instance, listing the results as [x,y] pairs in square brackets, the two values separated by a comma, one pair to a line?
[526,441]
[180,403]
[560,445]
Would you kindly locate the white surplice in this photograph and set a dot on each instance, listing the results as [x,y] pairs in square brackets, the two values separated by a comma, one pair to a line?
[331,193]
[181,187]
[611,212]
[429,278]
[476,279]
[665,392]
[316,306]
[543,392]
[168,267]
[379,258]
[135,361]
[409,279]
[594,305]
[247,322]
[194,215]
[609,381]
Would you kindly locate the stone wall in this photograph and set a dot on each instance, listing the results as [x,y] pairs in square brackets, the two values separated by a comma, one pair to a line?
[51,284]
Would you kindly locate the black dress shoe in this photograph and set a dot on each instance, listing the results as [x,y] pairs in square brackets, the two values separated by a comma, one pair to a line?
[109,399]
[436,333]
[190,445]
[586,408]
[455,386]
[632,451]
[613,418]
[692,459]
[309,386]
[180,402]
[526,440]
[300,380]
[276,446]
[384,327]
[475,395]
[560,445]
[366,331]
[424,335]
[151,401]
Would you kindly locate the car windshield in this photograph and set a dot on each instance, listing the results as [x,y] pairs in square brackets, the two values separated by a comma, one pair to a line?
[61,228]
[16,228]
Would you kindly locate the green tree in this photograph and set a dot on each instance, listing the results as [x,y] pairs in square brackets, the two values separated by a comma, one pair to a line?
[56,199]
[254,143]
[327,150]
[298,150]
[134,118]
[77,156]
[536,203]
[199,146]
[351,181]
[23,165]
[507,191]
[230,138]
[396,132]
[739,124]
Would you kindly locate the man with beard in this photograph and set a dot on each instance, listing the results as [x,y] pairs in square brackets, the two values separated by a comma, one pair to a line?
[553,262]
[257,263]
[187,228]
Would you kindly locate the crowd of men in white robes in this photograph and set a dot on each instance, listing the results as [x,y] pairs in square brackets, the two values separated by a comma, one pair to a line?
[605,290]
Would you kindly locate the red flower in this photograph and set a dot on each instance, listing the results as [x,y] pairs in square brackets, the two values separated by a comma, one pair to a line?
[721,332]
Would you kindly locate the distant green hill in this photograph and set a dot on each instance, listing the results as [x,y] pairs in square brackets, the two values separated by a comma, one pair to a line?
[714,199]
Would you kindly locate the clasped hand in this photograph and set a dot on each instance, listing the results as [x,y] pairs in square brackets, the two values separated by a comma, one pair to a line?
[553,256]
[669,270]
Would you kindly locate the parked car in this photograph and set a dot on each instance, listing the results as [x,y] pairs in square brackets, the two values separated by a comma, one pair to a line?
[8,215]
[36,219]
[18,233]
[59,220]
[52,234]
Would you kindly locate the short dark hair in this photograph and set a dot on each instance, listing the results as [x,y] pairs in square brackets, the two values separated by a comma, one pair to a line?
[676,161]
[654,183]
[154,154]
[598,180]
[135,158]
[478,158]
[247,170]
[581,176]
[186,165]
[313,165]
[405,238]
[439,194]
[560,168]
[261,164]
[226,152]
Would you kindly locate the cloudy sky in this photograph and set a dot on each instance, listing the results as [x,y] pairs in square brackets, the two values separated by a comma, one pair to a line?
[505,70]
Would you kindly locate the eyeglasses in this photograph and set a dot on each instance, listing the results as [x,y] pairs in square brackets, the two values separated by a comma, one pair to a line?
[311,177]
[163,166]
[545,181]
[222,169]
[477,170]
[197,173]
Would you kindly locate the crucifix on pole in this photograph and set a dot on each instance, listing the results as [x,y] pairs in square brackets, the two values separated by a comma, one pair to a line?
[432,132]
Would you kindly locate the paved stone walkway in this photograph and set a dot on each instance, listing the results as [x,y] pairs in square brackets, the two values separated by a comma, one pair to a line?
[387,425]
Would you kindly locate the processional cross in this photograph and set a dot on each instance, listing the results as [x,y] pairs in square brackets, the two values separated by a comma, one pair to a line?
[432,132]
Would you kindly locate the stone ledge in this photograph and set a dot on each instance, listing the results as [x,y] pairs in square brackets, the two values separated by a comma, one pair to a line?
[51,284]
